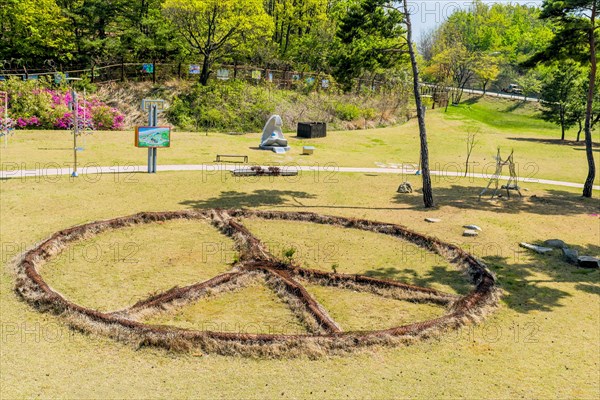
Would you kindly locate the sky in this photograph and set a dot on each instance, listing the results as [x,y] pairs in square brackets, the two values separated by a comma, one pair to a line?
[428,14]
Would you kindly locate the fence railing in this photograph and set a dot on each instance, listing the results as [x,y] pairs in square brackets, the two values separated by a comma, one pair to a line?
[280,78]
[161,72]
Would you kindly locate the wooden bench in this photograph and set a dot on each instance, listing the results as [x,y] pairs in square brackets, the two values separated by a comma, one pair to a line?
[220,156]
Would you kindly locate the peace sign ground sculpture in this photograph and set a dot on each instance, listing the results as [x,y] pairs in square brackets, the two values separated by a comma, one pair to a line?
[325,335]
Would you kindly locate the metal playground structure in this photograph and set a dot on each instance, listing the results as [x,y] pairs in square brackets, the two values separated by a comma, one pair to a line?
[6,124]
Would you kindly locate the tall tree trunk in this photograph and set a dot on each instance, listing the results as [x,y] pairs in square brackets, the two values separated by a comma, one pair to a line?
[580,129]
[205,71]
[287,39]
[427,192]
[589,182]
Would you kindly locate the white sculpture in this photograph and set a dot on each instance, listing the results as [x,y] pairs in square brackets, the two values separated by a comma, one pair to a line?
[272,137]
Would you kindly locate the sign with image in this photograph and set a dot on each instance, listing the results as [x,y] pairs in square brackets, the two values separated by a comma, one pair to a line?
[223,74]
[152,136]
[256,75]
[194,69]
[148,68]
[325,83]
[60,78]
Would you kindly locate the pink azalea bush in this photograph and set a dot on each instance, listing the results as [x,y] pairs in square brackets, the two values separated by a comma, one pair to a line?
[51,108]
[92,113]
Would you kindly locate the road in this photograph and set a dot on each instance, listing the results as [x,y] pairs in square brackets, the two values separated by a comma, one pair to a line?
[491,94]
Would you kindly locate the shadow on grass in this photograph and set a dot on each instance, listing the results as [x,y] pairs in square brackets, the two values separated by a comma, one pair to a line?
[588,288]
[437,274]
[597,150]
[557,142]
[515,106]
[257,198]
[554,202]
[528,285]
[279,198]
[472,100]
[529,281]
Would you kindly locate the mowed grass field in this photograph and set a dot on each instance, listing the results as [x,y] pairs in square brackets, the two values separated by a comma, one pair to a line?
[542,342]
[498,123]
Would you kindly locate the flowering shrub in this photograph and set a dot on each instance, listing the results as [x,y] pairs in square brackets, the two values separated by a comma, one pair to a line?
[25,122]
[6,125]
[92,113]
[48,108]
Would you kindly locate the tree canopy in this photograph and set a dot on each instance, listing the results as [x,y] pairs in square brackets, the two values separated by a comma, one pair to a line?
[575,39]
[485,44]
[217,27]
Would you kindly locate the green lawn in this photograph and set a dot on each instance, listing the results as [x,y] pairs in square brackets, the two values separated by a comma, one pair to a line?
[537,155]
[365,311]
[542,342]
[116,269]
[254,309]
[357,252]
[505,115]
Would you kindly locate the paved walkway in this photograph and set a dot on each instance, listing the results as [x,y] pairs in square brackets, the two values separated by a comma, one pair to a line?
[211,169]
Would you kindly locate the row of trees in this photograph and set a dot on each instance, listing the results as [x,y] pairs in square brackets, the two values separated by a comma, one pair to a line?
[563,95]
[344,38]
[484,46]
[295,34]
[574,47]
[549,51]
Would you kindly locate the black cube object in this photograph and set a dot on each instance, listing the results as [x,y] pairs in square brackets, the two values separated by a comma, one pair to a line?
[311,130]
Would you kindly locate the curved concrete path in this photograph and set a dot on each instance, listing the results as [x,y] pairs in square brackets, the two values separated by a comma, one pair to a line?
[211,169]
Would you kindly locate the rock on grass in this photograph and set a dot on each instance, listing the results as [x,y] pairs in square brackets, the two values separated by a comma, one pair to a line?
[571,256]
[556,243]
[537,249]
[588,262]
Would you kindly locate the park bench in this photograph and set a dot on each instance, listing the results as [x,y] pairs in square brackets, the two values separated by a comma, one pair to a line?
[221,156]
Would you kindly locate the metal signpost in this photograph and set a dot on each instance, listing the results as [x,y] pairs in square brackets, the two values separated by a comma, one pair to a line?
[75,110]
[5,122]
[153,107]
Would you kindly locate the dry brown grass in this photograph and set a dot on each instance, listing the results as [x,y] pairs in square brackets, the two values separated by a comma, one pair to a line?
[327,335]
